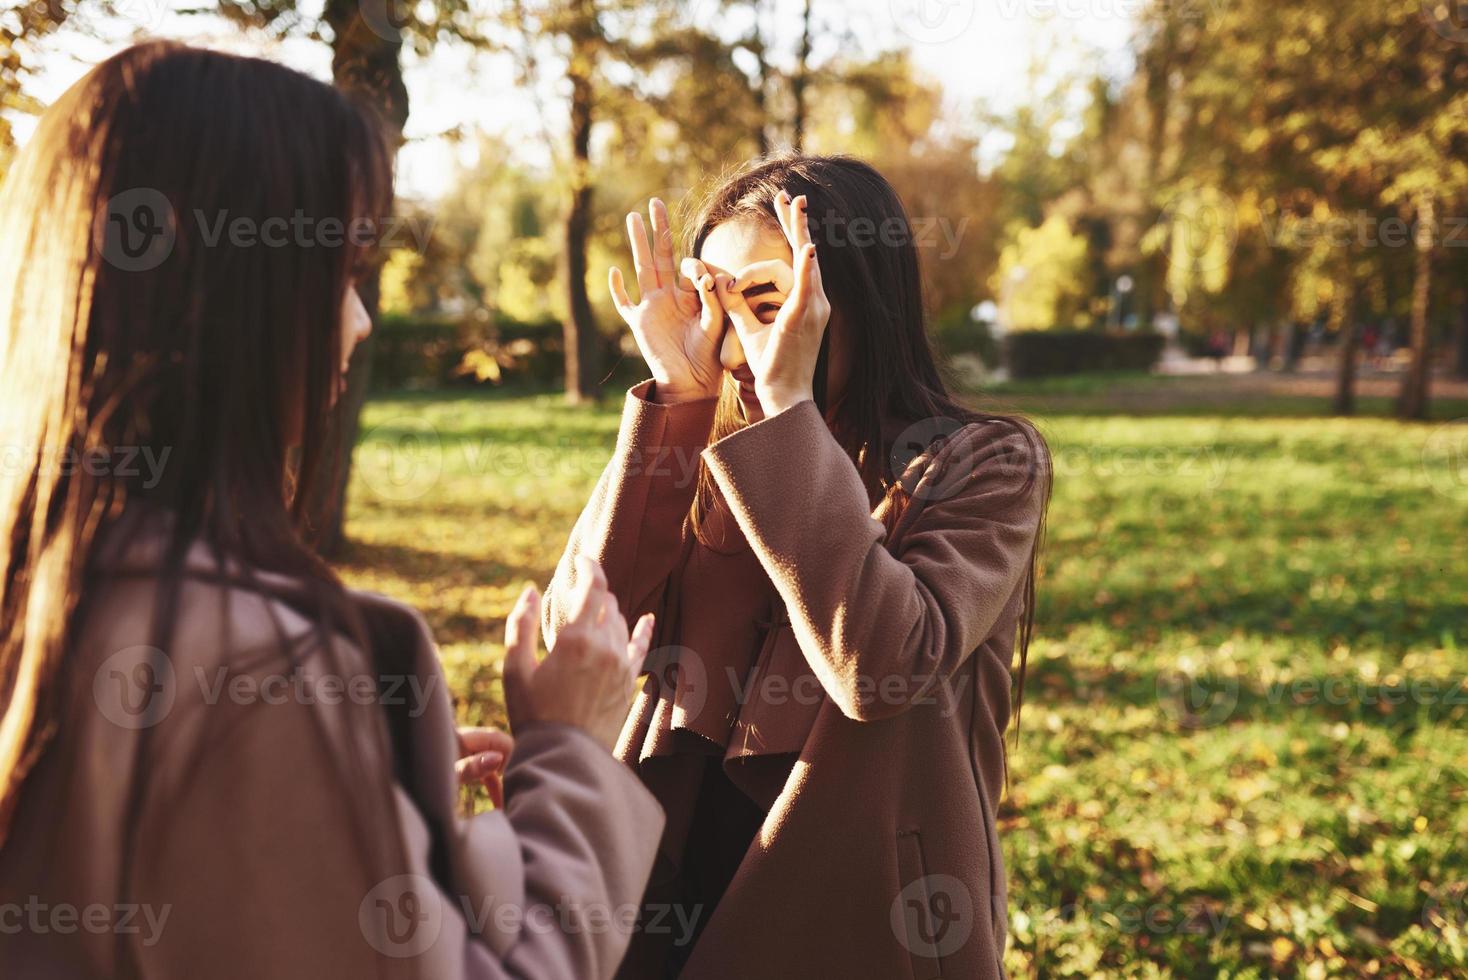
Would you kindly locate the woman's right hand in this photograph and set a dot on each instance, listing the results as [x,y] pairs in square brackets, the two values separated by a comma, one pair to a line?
[678,329]
[587,680]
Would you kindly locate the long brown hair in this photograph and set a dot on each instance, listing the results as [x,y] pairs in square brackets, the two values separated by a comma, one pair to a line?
[126,324]
[873,279]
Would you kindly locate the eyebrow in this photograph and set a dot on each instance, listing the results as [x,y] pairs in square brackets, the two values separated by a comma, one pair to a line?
[760,289]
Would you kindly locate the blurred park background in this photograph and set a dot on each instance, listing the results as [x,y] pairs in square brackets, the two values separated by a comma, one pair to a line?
[1218,249]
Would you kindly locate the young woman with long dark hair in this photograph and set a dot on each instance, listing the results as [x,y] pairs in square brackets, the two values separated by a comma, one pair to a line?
[842,559]
[215,760]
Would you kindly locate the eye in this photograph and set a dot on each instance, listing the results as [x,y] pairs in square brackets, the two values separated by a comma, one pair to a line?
[766,311]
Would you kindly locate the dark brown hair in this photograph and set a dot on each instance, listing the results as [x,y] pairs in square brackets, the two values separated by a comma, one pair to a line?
[872,276]
[125,323]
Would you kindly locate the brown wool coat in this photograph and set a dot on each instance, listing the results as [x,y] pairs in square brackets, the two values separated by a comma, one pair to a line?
[856,683]
[246,858]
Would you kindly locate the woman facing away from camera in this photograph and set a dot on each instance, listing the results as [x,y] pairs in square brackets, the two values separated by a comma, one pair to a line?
[842,561]
[215,761]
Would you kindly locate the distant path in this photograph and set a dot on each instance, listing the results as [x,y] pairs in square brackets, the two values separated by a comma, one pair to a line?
[1315,382]
[1228,392]
[1314,379]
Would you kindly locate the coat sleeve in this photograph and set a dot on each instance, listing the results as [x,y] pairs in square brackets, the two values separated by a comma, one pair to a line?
[633,524]
[881,627]
[251,867]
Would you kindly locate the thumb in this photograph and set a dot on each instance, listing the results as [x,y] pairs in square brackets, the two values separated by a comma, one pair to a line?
[521,630]
[743,318]
[641,640]
[711,318]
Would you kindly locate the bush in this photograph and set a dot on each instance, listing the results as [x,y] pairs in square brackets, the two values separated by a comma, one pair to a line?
[440,352]
[1040,353]
[955,333]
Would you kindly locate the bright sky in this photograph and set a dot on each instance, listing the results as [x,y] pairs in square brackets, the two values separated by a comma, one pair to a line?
[981,51]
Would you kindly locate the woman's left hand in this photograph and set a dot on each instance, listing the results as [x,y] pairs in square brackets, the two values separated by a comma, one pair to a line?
[782,355]
[482,756]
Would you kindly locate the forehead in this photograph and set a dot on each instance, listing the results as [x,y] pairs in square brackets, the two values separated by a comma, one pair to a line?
[735,244]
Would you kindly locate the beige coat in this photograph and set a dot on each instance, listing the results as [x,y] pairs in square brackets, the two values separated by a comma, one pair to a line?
[247,860]
[856,683]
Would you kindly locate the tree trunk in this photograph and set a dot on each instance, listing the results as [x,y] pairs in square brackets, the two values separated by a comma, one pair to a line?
[1460,366]
[580,327]
[1345,326]
[761,79]
[1157,69]
[365,61]
[800,82]
[1412,402]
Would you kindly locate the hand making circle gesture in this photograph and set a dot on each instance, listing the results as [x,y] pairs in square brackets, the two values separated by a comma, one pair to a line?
[678,328]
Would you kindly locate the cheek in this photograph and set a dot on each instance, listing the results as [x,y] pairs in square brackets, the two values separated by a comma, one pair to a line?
[356,324]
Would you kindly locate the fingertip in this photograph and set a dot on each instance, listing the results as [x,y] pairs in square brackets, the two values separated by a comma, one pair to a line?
[522,601]
[588,567]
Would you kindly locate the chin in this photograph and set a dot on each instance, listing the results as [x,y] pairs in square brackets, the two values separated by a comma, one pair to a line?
[752,408]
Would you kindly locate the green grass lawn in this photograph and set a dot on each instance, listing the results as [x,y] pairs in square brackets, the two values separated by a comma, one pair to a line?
[1244,744]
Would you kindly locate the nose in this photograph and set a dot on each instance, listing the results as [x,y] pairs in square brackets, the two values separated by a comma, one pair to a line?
[731,351]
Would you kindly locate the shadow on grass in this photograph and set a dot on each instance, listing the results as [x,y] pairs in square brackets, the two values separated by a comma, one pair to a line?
[1197,702]
[426,564]
[1401,623]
